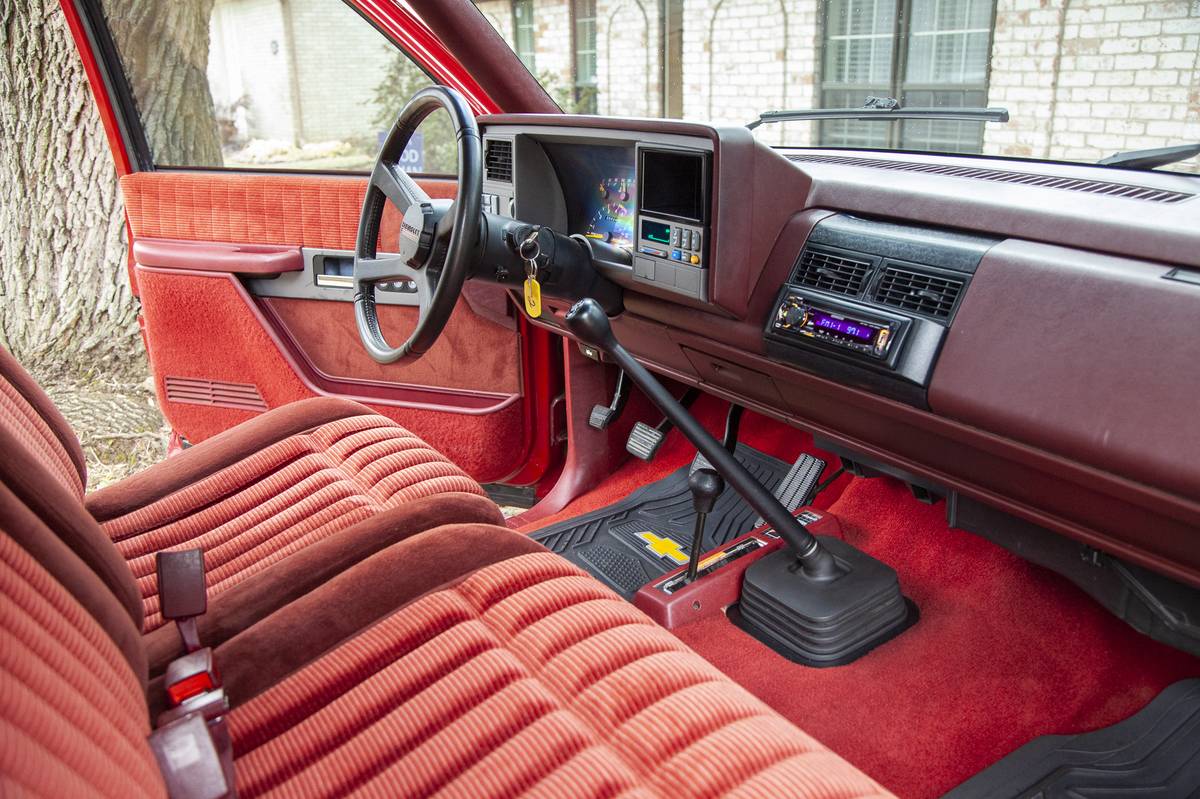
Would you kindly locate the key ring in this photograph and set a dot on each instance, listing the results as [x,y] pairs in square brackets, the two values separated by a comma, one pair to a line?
[530,241]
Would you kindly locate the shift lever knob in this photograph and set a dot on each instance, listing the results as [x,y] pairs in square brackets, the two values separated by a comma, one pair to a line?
[589,323]
[706,485]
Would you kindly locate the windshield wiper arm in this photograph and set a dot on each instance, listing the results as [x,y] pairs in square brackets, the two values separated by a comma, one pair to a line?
[885,109]
[1149,159]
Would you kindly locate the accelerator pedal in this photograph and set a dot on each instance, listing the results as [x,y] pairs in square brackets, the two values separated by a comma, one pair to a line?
[644,441]
[796,488]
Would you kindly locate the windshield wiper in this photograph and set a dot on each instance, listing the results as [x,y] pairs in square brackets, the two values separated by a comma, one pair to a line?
[885,109]
[1149,159]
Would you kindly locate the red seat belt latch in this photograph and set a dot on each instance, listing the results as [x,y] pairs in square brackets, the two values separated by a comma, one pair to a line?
[182,592]
[191,675]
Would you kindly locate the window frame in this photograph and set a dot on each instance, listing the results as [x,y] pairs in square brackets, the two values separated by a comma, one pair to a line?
[521,30]
[898,86]
[133,133]
[578,86]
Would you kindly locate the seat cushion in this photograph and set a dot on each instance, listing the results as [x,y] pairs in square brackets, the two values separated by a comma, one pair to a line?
[525,677]
[269,488]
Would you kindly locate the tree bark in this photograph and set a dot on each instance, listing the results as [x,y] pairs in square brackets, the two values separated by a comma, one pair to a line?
[65,302]
[65,297]
[164,47]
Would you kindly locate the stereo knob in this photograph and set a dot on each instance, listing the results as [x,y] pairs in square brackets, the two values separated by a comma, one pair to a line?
[794,315]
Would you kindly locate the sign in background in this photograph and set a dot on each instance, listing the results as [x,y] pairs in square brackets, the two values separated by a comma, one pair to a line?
[413,157]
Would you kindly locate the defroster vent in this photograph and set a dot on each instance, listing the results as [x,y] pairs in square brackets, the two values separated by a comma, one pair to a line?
[830,271]
[497,160]
[919,292]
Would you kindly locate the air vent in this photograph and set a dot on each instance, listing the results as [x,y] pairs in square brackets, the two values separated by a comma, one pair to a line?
[497,160]
[830,271]
[919,292]
[197,391]
[1125,190]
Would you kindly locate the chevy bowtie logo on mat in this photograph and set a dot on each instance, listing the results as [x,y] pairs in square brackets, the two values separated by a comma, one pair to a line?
[664,547]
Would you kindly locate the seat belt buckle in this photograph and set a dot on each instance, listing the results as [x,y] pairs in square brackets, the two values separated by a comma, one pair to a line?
[182,591]
[195,760]
[191,675]
[212,706]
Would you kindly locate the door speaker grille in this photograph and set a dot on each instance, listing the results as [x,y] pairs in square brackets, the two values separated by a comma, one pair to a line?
[197,391]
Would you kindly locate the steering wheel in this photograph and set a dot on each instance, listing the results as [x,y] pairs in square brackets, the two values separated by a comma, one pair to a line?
[440,240]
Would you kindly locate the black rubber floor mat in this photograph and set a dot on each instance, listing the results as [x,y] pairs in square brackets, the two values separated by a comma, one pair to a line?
[1154,753]
[648,533]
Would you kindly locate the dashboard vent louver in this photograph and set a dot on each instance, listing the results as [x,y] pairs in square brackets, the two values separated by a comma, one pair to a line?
[497,160]
[830,271]
[918,292]
[1128,191]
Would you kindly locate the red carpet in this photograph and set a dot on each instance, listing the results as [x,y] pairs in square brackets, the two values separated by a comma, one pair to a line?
[1004,651]
[765,435]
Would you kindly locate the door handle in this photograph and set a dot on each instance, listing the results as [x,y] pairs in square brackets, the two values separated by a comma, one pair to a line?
[335,281]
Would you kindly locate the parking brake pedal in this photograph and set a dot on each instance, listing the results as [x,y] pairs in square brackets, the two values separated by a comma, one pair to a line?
[796,488]
[603,415]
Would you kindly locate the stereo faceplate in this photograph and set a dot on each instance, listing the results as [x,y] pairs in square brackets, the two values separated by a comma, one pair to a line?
[846,327]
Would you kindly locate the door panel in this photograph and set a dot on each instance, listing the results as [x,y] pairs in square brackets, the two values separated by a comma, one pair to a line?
[205,328]
[325,332]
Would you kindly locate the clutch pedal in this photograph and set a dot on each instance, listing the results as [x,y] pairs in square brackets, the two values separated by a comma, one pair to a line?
[603,415]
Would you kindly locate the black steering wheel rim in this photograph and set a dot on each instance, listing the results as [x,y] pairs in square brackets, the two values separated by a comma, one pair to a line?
[439,246]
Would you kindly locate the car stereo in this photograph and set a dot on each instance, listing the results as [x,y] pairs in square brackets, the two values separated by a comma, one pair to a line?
[844,326]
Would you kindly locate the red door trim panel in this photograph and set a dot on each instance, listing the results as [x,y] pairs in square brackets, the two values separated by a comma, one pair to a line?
[205,256]
[474,403]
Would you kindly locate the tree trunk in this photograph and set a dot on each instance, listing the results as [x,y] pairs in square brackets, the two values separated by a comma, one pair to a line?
[65,302]
[65,299]
[164,46]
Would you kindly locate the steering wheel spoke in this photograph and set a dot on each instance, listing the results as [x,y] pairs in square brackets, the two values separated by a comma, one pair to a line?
[401,190]
[384,266]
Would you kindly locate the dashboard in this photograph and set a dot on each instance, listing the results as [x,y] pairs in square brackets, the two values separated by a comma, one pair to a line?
[1010,335]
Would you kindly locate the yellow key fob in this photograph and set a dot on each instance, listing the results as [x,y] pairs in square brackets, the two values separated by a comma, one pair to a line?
[533,297]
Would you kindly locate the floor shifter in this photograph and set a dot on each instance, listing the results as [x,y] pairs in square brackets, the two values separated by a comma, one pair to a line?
[818,601]
[706,485]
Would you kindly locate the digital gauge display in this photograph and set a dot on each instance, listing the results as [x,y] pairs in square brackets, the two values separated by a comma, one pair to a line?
[599,189]
[612,218]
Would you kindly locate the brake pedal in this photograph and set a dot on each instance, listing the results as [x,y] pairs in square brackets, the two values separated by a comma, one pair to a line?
[644,441]
[795,490]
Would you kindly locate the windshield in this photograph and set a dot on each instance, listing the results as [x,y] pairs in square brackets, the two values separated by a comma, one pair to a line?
[1081,79]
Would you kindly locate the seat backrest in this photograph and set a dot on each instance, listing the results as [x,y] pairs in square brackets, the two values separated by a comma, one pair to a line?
[32,418]
[73,715]
[46,516]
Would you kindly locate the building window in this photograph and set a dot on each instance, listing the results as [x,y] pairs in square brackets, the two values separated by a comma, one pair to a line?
[523,33]
[923,53]
[583,13]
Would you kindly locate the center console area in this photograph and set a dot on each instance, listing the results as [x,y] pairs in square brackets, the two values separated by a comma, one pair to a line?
[870,302]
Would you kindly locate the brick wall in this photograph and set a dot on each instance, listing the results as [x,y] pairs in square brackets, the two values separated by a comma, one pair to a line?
[340,60]
[1083,81]
[242,63]
[1126,76]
